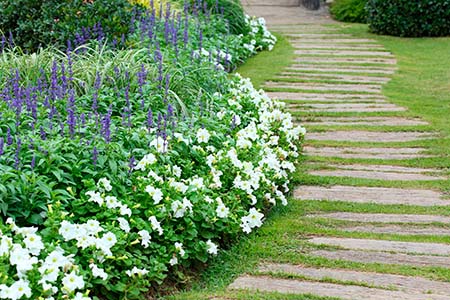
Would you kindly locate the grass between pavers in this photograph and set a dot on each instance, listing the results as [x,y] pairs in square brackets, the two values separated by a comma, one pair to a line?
[421,85]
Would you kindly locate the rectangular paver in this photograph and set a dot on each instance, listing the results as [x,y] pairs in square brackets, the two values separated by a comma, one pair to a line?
[367,153]
[377,195]
[368,136]
[385,218]
[351,292]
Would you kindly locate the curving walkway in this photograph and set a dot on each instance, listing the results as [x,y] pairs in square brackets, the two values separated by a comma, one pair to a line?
[334,88]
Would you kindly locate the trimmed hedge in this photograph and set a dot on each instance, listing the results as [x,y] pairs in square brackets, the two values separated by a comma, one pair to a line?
[409,18]
[349,11]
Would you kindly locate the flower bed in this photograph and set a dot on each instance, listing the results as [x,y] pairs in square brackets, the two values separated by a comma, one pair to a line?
[120,167]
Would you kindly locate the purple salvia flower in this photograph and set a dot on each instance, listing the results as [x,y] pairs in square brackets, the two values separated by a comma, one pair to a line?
[149,119]
[106,125]
[17,158]
[42,133]
[94,156]
[9,138]
[33,162]
[2,144]
[132,164]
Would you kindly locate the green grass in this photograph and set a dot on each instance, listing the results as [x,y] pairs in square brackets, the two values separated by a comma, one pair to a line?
[422,85]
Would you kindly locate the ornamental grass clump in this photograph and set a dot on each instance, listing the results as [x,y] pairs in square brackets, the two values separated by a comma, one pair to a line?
[122,166]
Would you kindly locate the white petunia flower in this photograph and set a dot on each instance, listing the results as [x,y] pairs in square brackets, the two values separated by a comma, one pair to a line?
[155,193]
[72,281]
[33,243]
[222,211]
[148,159]
[123,224]
[104,183]
[136,271]
[211,248]
[19,289]
[179,248]
[203,135]
[95,197]
[98,272]
[145,238]
[156,225]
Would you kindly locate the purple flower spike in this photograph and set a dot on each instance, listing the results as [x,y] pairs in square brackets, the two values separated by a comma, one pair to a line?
[9,139]
[94,156]
[2,144]
[17,158]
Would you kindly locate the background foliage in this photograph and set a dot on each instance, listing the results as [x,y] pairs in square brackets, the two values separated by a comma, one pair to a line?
[349,10]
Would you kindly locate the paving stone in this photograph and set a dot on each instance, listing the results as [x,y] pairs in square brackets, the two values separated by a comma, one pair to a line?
[383,245]
[346,107]
[322,96]
[385,218]
[365,88]
[359,47]
[340,69]
[366,121]
[303,39]
[273,3]
[367,153]
[380,280]
[342,52]
[350,292]
[378,195]
[368,136]
[384,258]
[346,60]
[382,172]
[334,77]
[400,230]
[320,35]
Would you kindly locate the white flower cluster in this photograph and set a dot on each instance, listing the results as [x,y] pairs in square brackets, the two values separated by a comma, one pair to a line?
[258,27]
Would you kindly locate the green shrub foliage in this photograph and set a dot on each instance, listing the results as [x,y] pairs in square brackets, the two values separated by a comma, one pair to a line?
[35,24]
[349,11]
[409,18]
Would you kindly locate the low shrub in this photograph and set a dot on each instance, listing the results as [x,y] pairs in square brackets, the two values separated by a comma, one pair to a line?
[349,10]
[409,18]
[35,24]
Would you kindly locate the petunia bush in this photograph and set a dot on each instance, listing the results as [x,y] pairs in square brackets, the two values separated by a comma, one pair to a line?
[123,167]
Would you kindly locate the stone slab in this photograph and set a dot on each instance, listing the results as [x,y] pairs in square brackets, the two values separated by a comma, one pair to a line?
[334,77]
[380,280]
[383,245]
[339,69]
[350,292]
[382,172]
[367,153]
[378,195]
[304,39]
[320,35]
[385,218]
[273,3]
[343,53]
[346,60]
[400,230]
[365,88]
[321,96]
[385,258]
[332,46]
[368,136]
[346,107]
[365,121]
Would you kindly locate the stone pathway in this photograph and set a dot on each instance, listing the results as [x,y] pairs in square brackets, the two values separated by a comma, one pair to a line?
[334,81]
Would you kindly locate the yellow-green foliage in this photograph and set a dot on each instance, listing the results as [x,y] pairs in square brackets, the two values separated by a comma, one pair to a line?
[156,3]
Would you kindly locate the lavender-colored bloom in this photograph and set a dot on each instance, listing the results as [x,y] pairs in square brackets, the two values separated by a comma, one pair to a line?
[9,138]
[149,119]
[33,162]
[2,144]
[17,158]
[106,125]
[42,133]
[94,156]
[132,164]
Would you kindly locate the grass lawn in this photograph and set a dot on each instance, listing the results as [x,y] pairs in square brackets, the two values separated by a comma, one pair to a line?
[422,84]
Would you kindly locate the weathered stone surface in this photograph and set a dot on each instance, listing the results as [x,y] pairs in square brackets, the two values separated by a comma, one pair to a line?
[340,69]
[365,88]
[273,3]
[346,107]
[346,61]
[384,258]
[385,218]
[383,245]
[303,39]
[400,230]
[367,153]
[334,77]
[388,281]
[368,136]
[359,47]
[351,292]
[319,35]
[382,172]
[322,96]
[377,195]
[343,52]
[366,121]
